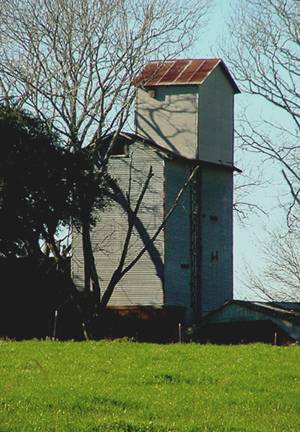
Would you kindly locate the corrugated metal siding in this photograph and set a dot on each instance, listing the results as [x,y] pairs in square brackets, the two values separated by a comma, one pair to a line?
[216,238]
[143,284]
[171,119]
[77,270]
[215,125]
[178,237]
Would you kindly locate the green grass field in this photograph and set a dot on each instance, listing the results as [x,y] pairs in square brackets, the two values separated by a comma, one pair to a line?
[123,386]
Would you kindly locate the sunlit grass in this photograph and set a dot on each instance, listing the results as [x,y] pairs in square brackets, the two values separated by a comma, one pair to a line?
[122,386]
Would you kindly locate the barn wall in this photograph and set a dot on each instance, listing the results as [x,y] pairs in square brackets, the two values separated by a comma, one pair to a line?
[216,238]
[215,124]
[143,285]
[178,237]
[170,118]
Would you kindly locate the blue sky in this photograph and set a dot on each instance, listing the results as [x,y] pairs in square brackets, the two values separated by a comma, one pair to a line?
[246,238]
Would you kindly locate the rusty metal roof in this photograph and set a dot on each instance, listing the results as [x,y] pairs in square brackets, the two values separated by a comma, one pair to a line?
[181,72]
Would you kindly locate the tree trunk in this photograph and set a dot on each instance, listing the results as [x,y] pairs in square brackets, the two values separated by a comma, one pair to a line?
[72,288]
[90,271]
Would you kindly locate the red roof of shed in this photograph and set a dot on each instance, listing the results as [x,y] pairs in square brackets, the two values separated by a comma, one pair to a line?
[181,72]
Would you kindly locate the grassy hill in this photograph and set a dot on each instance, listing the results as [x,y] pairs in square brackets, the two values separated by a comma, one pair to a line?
[122,386]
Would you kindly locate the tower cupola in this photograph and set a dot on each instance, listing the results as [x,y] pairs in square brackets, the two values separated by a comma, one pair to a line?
[186,106]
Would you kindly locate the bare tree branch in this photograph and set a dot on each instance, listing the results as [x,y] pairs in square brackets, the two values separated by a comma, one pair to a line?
[279,279]
[264,55]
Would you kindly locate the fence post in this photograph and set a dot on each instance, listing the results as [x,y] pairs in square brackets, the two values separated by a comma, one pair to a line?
[179,332]
[55,324]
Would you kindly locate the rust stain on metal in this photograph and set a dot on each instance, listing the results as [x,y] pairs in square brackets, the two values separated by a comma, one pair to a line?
[175,71]
[189,74]
[153,72]
[186,71]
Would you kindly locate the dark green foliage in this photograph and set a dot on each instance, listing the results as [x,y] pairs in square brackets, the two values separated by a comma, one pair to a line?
[89,187]
[29,169]
[42,185]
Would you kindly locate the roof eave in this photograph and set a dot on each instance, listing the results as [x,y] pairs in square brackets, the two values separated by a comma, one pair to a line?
[230,78]
[175,155]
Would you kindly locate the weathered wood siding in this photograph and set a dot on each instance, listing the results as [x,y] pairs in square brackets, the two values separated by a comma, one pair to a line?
[170,118]
[143,284]
[215,124]
[178,237]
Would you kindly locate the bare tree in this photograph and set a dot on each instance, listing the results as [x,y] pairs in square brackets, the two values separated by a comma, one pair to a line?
[244,187]
[73,63]
[279,279]
[264,54]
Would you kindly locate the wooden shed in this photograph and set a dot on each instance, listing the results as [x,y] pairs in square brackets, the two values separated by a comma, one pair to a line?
[184,118]
[248,321]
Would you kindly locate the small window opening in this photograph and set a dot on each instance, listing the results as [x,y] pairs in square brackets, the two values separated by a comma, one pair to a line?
[119,149]
[157,94]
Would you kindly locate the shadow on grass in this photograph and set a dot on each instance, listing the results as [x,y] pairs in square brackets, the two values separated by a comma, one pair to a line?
[100,403]
[167,378]
[131,427]
[122,426]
